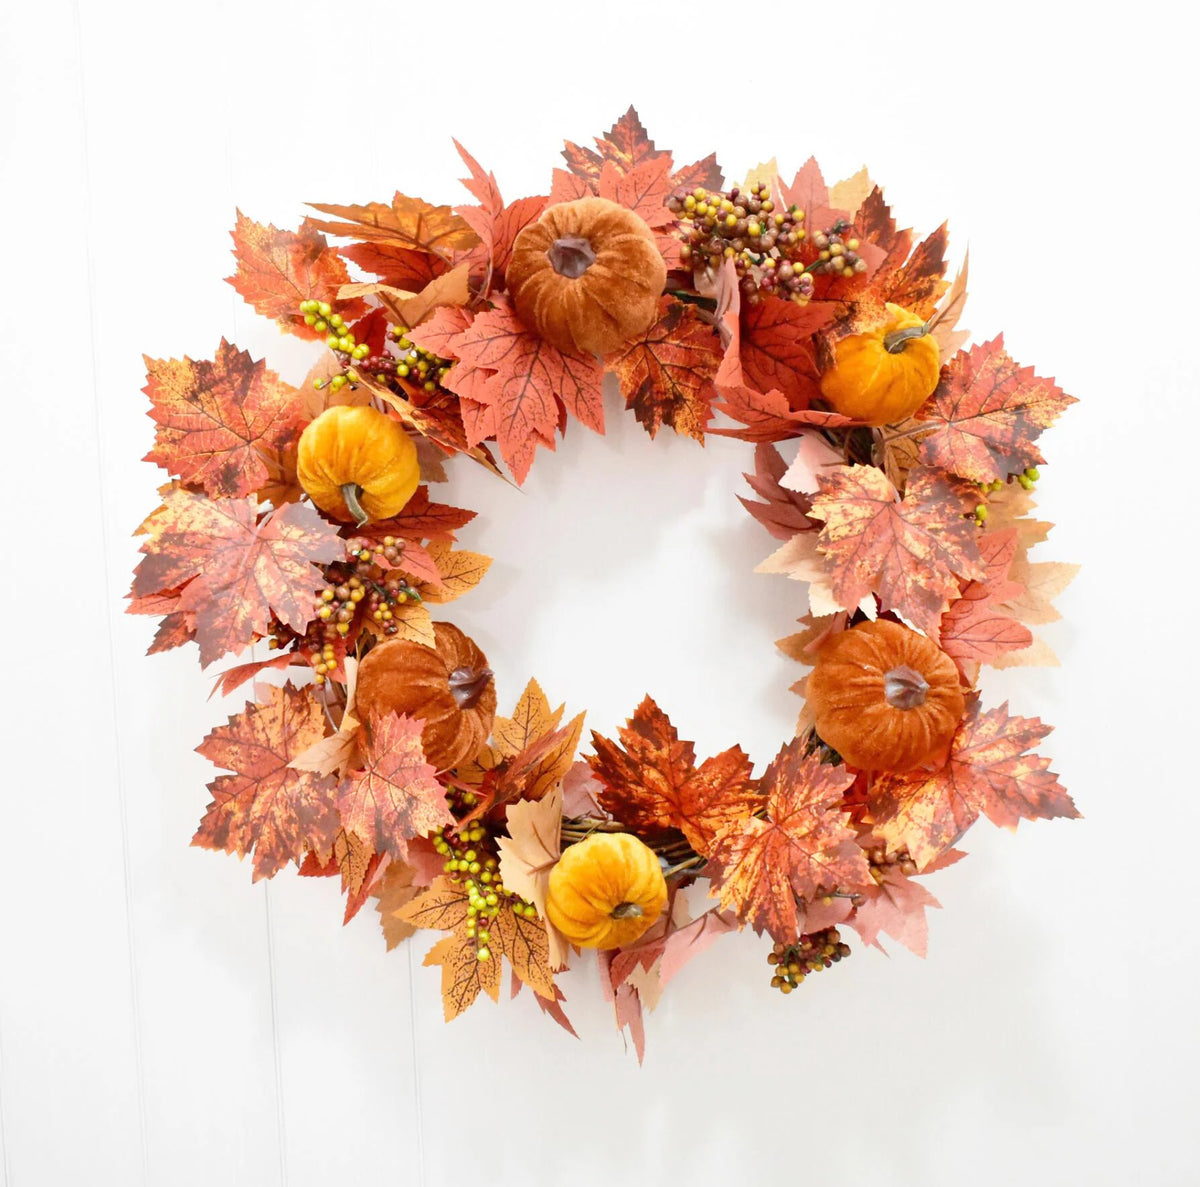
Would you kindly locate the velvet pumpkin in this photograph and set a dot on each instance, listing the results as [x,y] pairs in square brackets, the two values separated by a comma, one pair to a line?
[587,276]
[357,464]
[605,891]
[886,374]
[885,697]
[450,688]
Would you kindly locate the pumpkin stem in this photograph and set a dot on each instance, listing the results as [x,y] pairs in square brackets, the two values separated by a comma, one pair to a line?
[351,492]
[626,911]
[904,688]
[896,341]
[467,685]
[571,256]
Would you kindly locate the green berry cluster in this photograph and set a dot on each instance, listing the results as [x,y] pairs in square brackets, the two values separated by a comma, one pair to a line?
[469,857]
[339,338]
[416,365]
[809,954]
[1027,480]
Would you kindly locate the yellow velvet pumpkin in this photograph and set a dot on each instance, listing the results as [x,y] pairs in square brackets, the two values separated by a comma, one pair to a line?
[357,464]
[885,697]
[606,891]
[449,687]
[885,374]
[587,276]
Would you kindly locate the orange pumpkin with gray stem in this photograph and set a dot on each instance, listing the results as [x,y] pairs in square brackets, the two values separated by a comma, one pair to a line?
[587,276]
[885,697]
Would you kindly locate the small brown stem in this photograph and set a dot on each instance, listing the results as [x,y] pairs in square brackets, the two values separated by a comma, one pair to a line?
[571,256]
[467,685]
[351,493]
[896,341]
[626,911]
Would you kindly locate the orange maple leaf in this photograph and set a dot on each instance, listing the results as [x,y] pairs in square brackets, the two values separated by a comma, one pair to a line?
[762,867]
[400,267]
[529,378]
[396,797]
[215,417]
[236,571]
[910,552]
[626,145]
[266,806]
[464,975]
[276,270]
[988,773]
[986,414]
[442,907]
[651,780]
[666,374]
[407,222]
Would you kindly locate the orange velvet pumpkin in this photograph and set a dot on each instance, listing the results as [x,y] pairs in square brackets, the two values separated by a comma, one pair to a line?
[885,697]
[587,276]
[606,891]
[357,464]
[449,688]
[884,375]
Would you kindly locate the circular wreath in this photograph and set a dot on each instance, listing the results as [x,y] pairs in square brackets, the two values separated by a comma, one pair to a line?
[302,517]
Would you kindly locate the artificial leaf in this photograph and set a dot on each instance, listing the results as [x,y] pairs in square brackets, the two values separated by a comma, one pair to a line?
[651,780]
[458,571]
[666,374]
[443,907]
[541,766]
[853,192]
[526,944]
[265,806]
[238,570]
[396,797]
[800,559]
[768,416]
[683,943]
[407,223]
[451,289]
[809,192]
[395,890]
[917,284]
[1040,583]
[400,267]
[581,791]
[356,863]
[762,867]
[910,552]
[976,628]
[643,189]
[626,146]
[783,512]
[464,975]
[945,333]
[896,906]
[214,417]
[990,772]
[421,520]
[531,718]
[276,270]
[233,678]
[529,853]
[986,414]
[413,622]
[529,377]
[775,349]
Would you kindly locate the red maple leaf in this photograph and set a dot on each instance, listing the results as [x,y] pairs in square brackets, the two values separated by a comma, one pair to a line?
[396,797]
[975,628]
[768,417]
[762,867]
[986,414]
[895,906]
[651,780]
[276,270]
[238,570]
[643,189]
[774,349]
[666,374]
[989,773]
[784,512]
[626,145]
[529,377]
[421,520]
[401,267]
[809,192]
[214,418]
[266,806]
[910,552]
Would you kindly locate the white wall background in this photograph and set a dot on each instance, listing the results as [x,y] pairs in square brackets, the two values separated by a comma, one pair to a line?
[163,1022]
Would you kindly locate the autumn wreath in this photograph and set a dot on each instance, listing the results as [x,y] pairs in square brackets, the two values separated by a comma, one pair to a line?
[302,517]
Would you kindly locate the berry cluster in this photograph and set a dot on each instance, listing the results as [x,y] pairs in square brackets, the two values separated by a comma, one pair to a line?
[881,861]
[1027,480]
[809,954]
[470,859]
[767,246]
[414,364]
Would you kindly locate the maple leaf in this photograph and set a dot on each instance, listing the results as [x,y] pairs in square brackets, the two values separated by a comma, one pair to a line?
[768,416]
[464,975]
[357,865]
[917,284]
[895,906]
[457,571]
[529,853]
[407,223]
[531,718]
[809,192]
[238,570]
[911,552]
[626,145]
[396,797]
[651,780]
[214,417]
[276,270]
[976,628]
[945,333]
[666,374]
[989,773]
[541,766]
[526,944]
[986,414]
[851,193]
[442,907]
[529,377]
[401,267]
[421,520]
[396,889]
[783,512]
[762,867]
[265,806]
[643,190]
